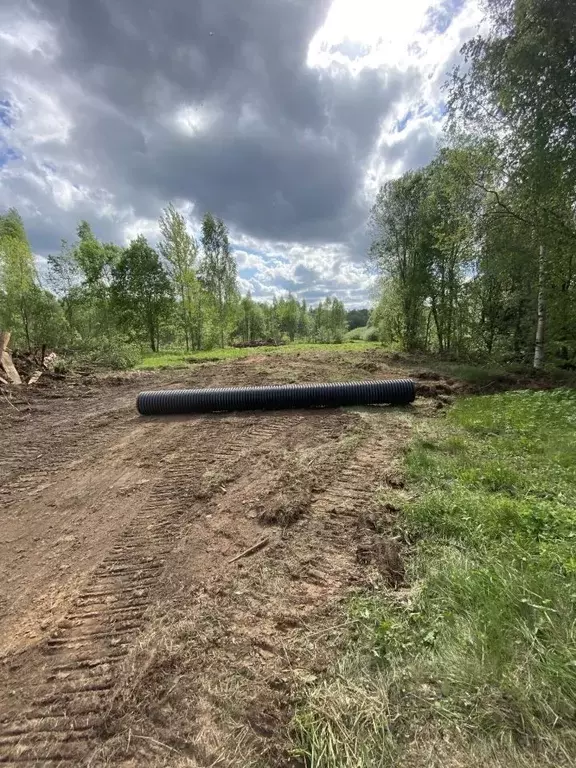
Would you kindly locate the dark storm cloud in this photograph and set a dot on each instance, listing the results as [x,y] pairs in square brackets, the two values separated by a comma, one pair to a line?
[291,172]
[111,108]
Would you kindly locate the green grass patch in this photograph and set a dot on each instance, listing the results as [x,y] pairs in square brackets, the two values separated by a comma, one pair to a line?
[491,372]
[477,664]
[181,358]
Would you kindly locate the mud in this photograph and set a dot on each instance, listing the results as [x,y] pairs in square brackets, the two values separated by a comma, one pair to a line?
[127,635]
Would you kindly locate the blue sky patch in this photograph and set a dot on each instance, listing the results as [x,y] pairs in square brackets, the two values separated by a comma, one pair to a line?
[6,113]
[403,122]
[7,154]
[439,18]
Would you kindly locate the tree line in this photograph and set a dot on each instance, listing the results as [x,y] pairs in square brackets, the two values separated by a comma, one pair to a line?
[476,251]
[102,297]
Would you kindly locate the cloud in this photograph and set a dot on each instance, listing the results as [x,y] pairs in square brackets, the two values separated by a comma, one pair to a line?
[282,117]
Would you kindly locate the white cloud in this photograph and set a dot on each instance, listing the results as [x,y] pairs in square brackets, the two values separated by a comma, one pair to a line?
[286,131]
[193,119]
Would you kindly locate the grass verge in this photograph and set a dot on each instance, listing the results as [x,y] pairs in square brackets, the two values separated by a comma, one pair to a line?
[181,358]
[476,663]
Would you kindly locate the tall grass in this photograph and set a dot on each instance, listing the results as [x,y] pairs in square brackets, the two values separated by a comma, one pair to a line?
[476,665]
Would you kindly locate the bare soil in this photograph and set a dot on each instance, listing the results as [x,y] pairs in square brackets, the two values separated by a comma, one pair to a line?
[129,634]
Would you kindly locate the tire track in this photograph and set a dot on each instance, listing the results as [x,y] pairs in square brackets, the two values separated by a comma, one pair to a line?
[63,721]
[354,487]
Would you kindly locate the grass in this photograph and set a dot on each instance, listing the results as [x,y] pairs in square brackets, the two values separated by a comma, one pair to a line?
[475,665]
[181,358]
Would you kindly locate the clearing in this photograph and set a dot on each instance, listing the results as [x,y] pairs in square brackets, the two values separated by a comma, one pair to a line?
[130,632]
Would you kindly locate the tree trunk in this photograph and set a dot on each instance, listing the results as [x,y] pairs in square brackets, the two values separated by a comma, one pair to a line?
[541,313]
[6,359]
[438,326]
[427,336]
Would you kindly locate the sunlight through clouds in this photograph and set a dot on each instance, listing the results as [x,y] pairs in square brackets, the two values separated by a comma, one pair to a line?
[281,117]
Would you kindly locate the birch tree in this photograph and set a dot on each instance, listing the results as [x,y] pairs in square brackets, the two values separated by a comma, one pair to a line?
[218,273]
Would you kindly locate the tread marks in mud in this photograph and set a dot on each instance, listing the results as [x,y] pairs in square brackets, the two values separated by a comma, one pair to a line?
[353,489]
[63,723]
[61,726]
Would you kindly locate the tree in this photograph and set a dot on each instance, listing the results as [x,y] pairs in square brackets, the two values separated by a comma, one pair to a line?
[303,321]
[141,290]
[64,276]
[399,249]
[387,314]
[357,318]
[95,259]
[81,274]
[520,86]
[337,321]
[219,272]
[48,324]
[17,278]
[251,321]
[453,203]
[179,250]
[288,315]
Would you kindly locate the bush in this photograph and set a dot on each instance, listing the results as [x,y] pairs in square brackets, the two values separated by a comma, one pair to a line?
[367,333]
[371,334]
[113,354]
[356,334]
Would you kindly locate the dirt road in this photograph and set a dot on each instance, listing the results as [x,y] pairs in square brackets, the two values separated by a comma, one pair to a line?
[128,634]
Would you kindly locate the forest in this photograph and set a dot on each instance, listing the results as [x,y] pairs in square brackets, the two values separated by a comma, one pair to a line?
[476,250]
[104,303]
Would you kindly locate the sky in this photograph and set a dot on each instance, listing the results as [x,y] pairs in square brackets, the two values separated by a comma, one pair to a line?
[283,117]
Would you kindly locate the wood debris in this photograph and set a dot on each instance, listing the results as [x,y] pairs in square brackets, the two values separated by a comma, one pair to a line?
[6,359]
[250,551]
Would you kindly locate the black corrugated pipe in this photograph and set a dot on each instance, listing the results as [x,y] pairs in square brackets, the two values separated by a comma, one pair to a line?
[394,391]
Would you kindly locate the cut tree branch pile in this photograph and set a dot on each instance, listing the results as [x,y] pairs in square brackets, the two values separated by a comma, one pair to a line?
[18,366]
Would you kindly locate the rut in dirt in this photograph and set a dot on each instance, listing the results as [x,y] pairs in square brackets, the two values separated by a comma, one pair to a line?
[60,721]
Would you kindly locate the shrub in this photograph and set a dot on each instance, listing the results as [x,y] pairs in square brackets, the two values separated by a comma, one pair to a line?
[356,334]
[112,353]
[371,334]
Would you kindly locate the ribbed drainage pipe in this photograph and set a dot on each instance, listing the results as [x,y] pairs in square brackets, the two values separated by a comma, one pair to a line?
[170,401]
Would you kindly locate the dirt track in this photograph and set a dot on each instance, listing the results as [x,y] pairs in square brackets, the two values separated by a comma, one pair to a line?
[127,637]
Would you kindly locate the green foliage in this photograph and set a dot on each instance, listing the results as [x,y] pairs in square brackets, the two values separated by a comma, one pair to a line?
[356,334]
[288,312]
[387,315]
[369,333]
[218,273]
[357,318]
[179,251]
[106,301]
[108,353]
[48,324]
[479,244]
[328,321]
[17,279]
[95,259]
[251,320]
[477,665]
[141,291]
[399,248]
